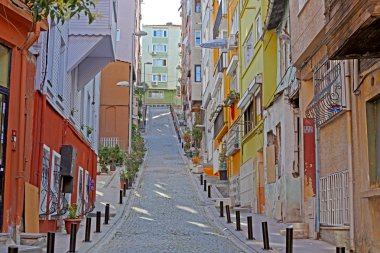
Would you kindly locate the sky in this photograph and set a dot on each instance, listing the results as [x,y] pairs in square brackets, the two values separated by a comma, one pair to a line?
[160,12]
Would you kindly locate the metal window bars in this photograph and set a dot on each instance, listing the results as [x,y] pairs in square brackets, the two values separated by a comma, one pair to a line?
[329,92]
[46,194]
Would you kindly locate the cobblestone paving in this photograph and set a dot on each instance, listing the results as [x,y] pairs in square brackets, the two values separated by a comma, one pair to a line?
[166,215]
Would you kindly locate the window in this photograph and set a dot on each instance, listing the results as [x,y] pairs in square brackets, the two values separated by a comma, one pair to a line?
[55,178]
[197,73]
[44,188]
[62,69]
[248,50]
[159,62]
[252,115]
[197,38]
[80,190]
[5,58]
[159,78]
[258,27]
[159,48]
[234,82]
[156,94]
[235,24]
[284,53]
[197,6]
[373,133]
[160,33]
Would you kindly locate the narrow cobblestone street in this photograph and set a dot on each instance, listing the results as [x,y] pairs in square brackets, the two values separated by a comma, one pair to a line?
[166,215]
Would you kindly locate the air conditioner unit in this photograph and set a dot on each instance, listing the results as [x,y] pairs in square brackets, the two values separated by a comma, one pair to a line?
[153,53]
[179,44]
[155,83]
[232,41]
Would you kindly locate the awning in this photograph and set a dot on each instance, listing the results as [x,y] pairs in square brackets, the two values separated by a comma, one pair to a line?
[90,54]
[216,43]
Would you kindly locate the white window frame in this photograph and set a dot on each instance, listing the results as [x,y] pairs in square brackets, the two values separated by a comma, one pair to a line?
[164,33]
[160,96]
[79,196]
[43,201]
[160,59]
[55,155]
[158,77]
[61,68]
[197,37]
[86,187]
[248,55]
[259,27]
[155,48]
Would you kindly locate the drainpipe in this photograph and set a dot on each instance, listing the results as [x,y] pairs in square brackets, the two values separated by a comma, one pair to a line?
[21,128]
[348,79]
[317,206]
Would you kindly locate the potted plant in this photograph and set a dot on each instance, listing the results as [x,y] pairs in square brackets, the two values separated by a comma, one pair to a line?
[124,176]
[223,162]
[187,140]
[197,137]
[72,217]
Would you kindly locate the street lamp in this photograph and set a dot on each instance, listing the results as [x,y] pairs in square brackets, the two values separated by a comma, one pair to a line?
[135,34]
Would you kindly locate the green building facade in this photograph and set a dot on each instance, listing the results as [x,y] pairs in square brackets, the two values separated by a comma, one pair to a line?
[160,64]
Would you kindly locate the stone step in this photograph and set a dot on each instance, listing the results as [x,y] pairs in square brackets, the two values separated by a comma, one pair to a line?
[300,231]
[243,209]
[22,248]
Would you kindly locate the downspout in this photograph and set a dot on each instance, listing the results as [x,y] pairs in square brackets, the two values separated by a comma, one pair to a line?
[21,128]
[317,204]
[349,79]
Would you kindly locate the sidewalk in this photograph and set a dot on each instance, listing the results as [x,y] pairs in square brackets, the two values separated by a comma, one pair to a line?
[107,192]
[277,241]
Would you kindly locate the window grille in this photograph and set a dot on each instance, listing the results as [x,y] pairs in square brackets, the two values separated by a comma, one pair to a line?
[334,199]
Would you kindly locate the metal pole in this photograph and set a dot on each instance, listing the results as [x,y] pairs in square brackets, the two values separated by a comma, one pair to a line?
[205,185]
[265,235]
[238,228]
[50,242]
[98,217]
[340,249]
[12,249]
[107,214]
[209,191]
[201,176]
[144,71]
[289,240]
[125,189]
[250,228]
[221,207]
[131,96]
[88,230]
[121,197]
[228,214]
[73,237]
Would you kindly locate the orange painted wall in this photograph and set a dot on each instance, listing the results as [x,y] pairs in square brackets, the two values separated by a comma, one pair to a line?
[114,102]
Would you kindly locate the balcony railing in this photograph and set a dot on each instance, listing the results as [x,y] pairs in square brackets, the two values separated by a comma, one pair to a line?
[221,65]
[233,141]
[329,92]
[219,123]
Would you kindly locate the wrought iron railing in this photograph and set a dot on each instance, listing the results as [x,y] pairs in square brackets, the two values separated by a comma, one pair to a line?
[233,141]
[219,123]
[329,92]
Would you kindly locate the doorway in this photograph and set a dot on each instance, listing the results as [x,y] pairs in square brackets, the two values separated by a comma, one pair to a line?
[5,59]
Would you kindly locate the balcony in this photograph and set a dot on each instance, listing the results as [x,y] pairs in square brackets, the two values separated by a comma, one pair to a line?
[359,29]
[92,46]
[329,92]
[221,65]
[219,123]
[233,141]
[196,93]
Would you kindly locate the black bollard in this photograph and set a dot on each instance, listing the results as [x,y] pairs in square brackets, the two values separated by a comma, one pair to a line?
[340,249]
[182,144]
[221,207]
[121,197]
[209,191]
[289,240]
[205,185]
[73,237]
[250,228]
[126,184]
[125,189]
[88,230]
[107,214]
[50,242]
[12,249]
[228,214]
[98,217]
[265,235]
[201,177]
[238,228]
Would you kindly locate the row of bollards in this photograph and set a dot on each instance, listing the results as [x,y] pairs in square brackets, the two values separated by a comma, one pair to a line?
[74,228]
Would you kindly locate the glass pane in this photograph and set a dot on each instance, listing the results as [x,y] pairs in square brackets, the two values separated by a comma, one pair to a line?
[5,55]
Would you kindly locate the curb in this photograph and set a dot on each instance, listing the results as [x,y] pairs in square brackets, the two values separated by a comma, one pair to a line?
[109,231]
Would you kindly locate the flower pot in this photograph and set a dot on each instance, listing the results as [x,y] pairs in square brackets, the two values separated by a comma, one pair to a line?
[223,174]
[189,154]
[195,159]
[68,223]
[122,182]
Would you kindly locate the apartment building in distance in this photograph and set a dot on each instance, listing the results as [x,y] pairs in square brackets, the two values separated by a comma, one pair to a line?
[160,64]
